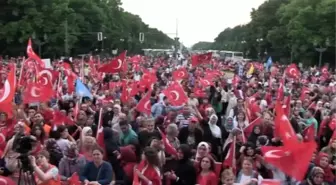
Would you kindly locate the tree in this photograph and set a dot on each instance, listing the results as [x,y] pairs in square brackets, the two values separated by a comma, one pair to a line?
[202,46]
[71,26]
[284,29]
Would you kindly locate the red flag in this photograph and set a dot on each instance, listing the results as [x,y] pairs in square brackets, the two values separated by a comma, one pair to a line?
[147,79]
[230,158]
[37,93]
[292,71]
[280,93]
[74,179]
[283,127]
[309,133]
[270,182]
[168,147]
[292,160]
[6,181]
[304,92]
[144,104]
[175,94]
[8,92]
[60,118]
[180,74]
[31,54]
[116,65]
[125,93]
[199,93]
[201,59]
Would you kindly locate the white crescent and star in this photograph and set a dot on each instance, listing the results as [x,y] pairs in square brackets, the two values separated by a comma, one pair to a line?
[180,74]
[4,181]
[33,92]
[7,90]
[206,82]
[177,95]
[44,80]
[270,154]
[119,64]
[47,72]
[292,71]
[147,105]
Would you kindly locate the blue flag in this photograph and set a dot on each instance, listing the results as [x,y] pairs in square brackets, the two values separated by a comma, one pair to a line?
[269,63]
[82,90]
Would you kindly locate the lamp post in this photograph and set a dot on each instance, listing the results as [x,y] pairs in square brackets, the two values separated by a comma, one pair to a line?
[243,43]
[259,40]
[39,42]
[321,49]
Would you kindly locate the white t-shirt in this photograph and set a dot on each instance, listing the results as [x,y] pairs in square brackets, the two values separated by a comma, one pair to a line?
[245,178]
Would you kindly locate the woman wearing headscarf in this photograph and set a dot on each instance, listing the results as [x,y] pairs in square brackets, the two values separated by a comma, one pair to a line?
[184,172]
[316,177]
[203,149]
[216,132]
[71,162]
[256,132]
[322,160]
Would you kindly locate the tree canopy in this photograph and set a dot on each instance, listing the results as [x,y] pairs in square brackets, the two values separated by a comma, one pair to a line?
[69,27]
[285,29]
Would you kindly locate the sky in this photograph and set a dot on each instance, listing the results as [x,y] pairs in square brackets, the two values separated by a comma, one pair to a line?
[198,20]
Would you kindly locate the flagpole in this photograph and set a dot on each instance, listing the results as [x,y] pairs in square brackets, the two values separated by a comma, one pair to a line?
[21,70]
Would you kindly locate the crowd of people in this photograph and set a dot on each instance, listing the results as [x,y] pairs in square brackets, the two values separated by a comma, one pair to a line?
[208,122]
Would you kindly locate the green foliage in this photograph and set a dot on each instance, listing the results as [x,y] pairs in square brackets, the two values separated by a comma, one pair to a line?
[82,19]
[288,29]
[202,46]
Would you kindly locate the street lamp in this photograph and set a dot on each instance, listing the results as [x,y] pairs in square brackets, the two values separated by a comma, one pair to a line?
[39,42]
[243,43]
[259,40]
[321,49]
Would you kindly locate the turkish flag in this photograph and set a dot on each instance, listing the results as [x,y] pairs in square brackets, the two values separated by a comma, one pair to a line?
[7,95]
[36,92]
[205,82]
[292,160]
[144,104]
[31,54]
[60,118]
[199,93]
[167,146]
[292,71]
[175,94]
[125,93]
[201,59]
[230,158]
[147,79]
[283,127]
[280,93]
[115,66]
[304,92]
[180,74]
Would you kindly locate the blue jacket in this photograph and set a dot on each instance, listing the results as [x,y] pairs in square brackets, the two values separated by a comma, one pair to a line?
[102,174]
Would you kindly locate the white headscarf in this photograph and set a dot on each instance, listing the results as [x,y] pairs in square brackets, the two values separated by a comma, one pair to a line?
[215,130]
[207,148]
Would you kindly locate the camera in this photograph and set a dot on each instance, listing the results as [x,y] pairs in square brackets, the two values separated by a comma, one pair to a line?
[23,144]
